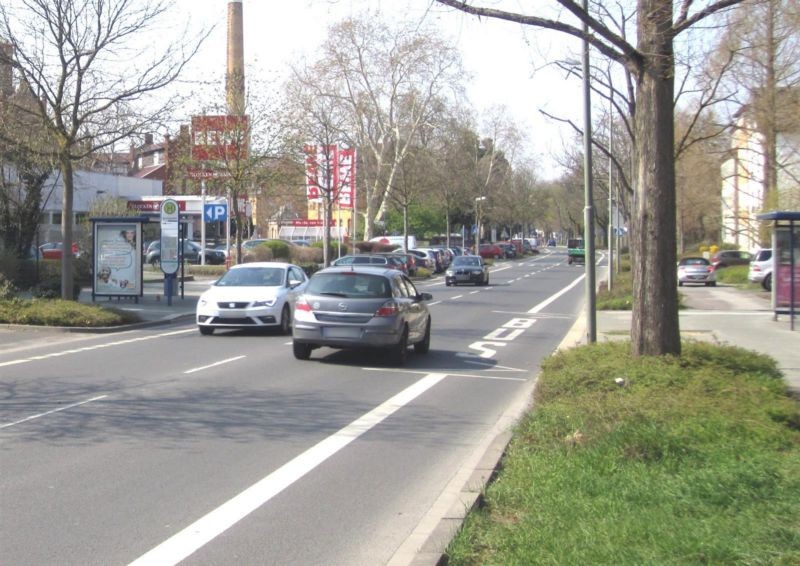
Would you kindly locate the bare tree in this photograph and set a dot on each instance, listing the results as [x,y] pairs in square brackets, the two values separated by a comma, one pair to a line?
[89,62]
[655,328]
[386,78]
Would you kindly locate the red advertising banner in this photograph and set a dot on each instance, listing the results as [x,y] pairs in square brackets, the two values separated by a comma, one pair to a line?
[219,138]
[331,170]
[306,222]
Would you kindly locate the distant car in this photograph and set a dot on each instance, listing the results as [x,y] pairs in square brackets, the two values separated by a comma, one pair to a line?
[423,259]
[761,269]
[191,254]
[491,251]
[252,295]
[467,269]
[509,249]
[696,270]
[55,250]
[726,258]
[551,243]
[361,307]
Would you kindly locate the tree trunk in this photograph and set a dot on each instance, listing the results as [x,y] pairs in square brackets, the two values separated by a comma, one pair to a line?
[66,225]
[654,328]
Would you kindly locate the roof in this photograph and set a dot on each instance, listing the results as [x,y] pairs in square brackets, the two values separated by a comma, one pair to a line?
[779,215]
[149,172]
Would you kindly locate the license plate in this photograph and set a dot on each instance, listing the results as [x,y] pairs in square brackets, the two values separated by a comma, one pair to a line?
[341,332]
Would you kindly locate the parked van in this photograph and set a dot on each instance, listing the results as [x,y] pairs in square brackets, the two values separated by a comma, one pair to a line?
[396,241]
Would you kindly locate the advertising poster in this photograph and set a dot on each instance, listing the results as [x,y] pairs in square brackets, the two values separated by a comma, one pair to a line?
[786,252]
[118,258]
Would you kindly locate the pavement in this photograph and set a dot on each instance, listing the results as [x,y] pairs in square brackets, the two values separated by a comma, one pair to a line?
[721,315]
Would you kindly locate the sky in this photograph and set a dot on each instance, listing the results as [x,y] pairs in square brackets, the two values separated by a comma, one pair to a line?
[506,61]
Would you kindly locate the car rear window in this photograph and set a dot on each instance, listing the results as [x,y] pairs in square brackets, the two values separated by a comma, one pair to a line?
[350,284]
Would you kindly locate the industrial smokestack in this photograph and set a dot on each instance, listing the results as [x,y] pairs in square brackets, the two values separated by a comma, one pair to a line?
[234,79]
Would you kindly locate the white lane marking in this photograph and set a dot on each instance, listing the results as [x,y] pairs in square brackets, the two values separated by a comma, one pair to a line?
[205,529]
[95,347]
[456,373]
[552,298]
[473,292]
[219,363]
[30,418]
[434,303]
[456,297]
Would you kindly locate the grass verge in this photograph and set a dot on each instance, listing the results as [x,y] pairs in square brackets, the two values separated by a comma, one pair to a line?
[694,460]
[57,312]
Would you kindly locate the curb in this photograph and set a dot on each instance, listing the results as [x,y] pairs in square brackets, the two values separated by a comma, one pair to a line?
[102,329]
[427,544]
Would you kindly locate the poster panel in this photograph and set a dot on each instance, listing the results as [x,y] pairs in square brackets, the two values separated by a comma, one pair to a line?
[347,177]
[784,257]
[117,259]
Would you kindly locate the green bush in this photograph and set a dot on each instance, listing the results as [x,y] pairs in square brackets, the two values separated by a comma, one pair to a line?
[7,289]
[732,275]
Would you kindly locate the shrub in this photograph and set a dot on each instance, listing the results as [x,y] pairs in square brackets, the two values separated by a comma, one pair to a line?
[261,252]
[280,250]
[305,255]
[7,289]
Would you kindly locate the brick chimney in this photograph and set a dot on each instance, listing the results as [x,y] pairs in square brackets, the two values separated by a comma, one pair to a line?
[234,78]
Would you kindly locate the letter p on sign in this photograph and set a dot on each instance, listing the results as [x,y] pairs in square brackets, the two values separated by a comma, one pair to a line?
[215,212]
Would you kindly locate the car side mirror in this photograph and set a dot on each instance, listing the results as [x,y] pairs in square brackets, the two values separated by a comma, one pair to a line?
[294,282]
[425,296]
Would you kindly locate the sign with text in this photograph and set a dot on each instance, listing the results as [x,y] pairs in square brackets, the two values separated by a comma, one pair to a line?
[331,173]
[117,259]
[170,222]
[219,138]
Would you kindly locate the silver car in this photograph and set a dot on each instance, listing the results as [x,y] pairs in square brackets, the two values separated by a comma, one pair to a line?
[761,269]
[360,306]
[252,295]
[696,270]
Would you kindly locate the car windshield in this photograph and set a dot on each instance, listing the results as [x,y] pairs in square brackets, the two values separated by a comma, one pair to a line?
[252,277]
[350,284]
[462,261]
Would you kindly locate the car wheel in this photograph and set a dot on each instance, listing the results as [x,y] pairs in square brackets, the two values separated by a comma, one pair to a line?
[286,320]
[711,284]
[400,351]
[206,330]
[767,282]
[301,351]
[425,345]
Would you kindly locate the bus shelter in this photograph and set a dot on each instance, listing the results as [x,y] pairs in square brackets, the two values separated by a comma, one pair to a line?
[785,257]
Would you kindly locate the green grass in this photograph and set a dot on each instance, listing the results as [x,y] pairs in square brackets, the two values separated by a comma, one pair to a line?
[57,312]
[733,275]
[695,460]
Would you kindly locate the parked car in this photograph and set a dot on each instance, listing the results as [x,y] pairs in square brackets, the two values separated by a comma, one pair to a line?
[357,307]
[491,251]
[761,269]
[423,259]
[726,258]
[437,257]
[467,269]
[509,249]
[408,261]
[55,250]
[191,254]
[252,295]
[696,270]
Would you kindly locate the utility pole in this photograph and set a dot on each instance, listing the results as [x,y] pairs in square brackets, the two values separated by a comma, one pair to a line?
[591,308]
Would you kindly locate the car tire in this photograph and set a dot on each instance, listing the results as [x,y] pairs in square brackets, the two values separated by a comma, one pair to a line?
[286,320]
[206,330]
[424,346]
[301,351]
[399,353]
[711,284]
[767,282]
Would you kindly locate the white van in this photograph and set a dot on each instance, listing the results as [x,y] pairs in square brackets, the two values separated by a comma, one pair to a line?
[396,241]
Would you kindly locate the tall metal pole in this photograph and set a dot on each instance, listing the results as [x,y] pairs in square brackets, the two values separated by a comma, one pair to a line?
[610,193]
[591,314]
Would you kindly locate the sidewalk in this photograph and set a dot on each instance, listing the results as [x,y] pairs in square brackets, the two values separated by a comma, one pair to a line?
[154,306]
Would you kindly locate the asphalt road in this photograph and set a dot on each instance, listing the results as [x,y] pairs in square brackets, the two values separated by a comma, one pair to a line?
[158,445]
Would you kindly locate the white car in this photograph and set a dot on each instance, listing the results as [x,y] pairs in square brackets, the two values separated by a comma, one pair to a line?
[761,269]
[252,295]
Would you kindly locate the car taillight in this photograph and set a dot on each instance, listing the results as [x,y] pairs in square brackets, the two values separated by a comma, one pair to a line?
[302,305]
[710,268]
[756,268]
[389,308]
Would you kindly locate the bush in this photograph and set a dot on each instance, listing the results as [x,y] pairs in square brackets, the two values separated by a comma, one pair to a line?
[302,255]
[7,289]
[732,275]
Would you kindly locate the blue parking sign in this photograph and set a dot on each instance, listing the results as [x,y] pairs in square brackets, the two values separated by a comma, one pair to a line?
[215,212]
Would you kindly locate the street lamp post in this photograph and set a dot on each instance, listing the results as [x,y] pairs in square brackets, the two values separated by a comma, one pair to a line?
[478,200]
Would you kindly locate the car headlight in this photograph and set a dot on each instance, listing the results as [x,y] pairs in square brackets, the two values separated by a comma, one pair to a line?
[449,272]
[265,303]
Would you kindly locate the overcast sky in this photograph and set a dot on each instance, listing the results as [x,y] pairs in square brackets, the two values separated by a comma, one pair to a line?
[501,56]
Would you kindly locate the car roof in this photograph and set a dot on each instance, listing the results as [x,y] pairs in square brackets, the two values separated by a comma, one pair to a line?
[281,264]
[373,269]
